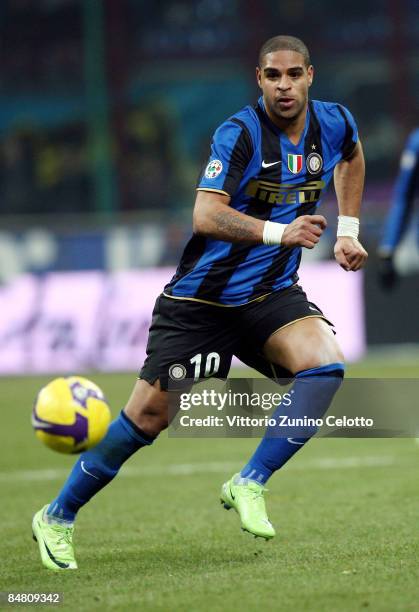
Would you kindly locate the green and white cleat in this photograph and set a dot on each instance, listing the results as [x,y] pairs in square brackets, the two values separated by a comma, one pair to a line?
[246,497]
[55,543]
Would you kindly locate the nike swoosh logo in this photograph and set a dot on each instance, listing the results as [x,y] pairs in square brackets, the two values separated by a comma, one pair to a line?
[315,309]
[291,441]
[86,472]
[231,493]
[53,559]
[265,165]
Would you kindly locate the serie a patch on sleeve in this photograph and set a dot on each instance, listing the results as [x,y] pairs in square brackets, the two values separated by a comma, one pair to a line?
[214,169]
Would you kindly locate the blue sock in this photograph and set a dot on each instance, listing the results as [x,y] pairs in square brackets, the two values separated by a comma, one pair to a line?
[97,467]
[313,391]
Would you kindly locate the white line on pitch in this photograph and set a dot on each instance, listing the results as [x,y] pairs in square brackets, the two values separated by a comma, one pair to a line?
[187,469]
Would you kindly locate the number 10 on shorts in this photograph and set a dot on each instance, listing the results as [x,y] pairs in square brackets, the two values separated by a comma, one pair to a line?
[212,365]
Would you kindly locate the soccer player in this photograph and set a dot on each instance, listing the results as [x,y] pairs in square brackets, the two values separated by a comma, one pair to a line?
[401,210]
[235,290]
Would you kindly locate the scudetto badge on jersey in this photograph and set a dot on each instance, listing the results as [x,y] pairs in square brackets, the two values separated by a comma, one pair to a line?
[295,163]
[314,163]
[214,168]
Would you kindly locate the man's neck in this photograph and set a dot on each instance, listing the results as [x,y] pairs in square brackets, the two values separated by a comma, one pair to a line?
[293,128]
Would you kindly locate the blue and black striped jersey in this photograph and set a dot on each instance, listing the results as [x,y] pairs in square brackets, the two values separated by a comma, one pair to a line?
[406,186]
[269,178]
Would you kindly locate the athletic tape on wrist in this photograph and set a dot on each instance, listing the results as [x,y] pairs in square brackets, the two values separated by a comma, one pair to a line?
[348,226]
[272,233]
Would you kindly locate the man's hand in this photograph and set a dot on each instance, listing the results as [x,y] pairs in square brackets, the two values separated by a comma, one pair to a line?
[387,273]
[304,231]
[350,254]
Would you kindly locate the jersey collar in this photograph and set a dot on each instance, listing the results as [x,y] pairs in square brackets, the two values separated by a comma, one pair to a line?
[261,104]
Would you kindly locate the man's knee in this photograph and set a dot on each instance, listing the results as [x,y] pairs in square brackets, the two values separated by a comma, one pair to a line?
[323,354]
[148,407]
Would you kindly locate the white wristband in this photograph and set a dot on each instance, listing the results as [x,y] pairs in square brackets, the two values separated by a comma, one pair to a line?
[348,226]
[272,232]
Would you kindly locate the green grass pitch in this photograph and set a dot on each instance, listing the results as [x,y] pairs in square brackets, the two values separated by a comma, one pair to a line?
[346,513]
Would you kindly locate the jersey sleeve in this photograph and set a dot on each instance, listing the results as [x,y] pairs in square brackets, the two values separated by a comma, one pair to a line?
[231,152]
[403,196]
[349,136]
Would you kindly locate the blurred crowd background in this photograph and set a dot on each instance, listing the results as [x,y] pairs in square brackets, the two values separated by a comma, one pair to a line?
[108,106]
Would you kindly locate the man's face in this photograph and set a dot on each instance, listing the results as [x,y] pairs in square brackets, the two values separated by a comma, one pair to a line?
[284,80]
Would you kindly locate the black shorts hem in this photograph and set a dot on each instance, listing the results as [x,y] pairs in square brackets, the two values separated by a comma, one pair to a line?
[313,316]
[150,379]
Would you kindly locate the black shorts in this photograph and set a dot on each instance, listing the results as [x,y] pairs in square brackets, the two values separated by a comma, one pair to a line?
[193,340]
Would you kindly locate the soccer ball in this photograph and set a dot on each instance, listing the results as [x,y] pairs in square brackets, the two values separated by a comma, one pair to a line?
[70,414]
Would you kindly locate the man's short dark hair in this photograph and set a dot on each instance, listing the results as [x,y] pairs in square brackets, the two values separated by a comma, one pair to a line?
[284,43]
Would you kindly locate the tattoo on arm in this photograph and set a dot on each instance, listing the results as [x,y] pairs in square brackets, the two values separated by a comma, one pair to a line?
[235,227]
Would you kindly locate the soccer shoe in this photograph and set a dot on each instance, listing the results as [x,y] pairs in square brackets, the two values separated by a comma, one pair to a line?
[247,500]
[55,543]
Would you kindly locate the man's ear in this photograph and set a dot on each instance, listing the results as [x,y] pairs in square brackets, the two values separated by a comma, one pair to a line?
[310,72]
[258,76]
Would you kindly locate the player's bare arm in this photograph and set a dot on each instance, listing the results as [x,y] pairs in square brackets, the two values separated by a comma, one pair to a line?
[349,177]
[214,218]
